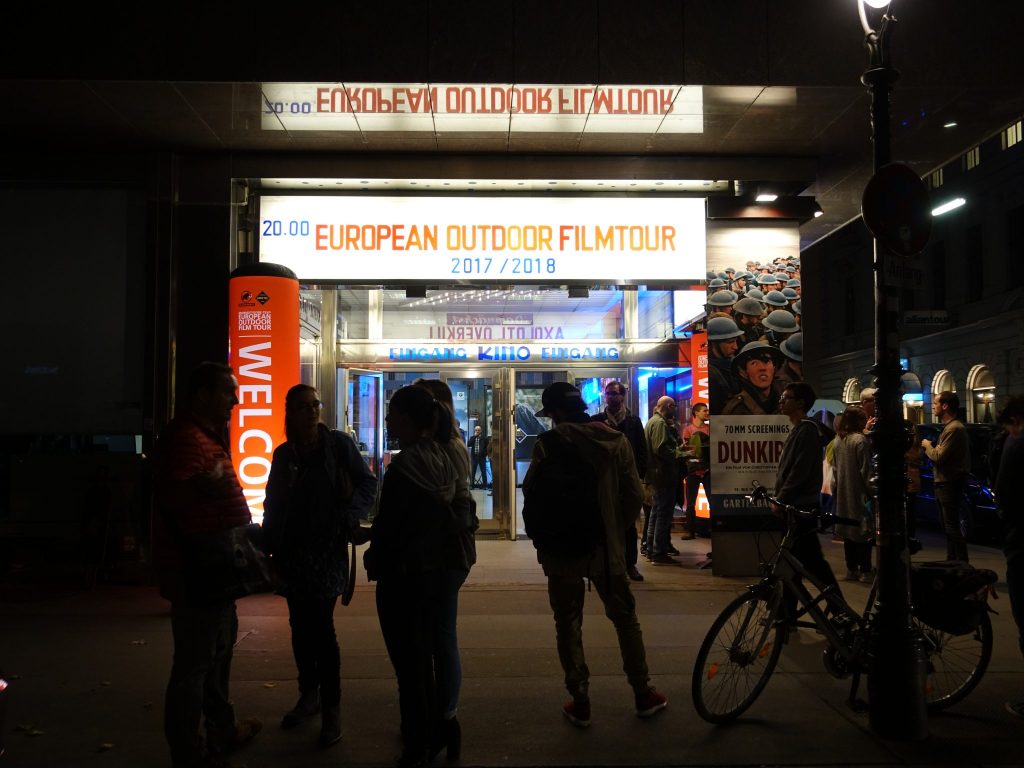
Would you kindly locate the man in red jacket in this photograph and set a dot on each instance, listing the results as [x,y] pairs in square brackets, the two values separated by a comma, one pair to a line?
[197,492]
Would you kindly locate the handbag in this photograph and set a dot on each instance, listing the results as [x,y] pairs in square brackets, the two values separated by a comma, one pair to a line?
[225,565]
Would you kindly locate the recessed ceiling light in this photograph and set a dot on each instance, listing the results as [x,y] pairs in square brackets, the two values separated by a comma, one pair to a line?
[950,124]
[766,197]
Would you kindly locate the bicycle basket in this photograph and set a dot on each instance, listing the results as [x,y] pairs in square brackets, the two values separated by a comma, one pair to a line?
[950,596]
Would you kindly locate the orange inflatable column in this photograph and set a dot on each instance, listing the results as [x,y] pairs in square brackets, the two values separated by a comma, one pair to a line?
[263,333]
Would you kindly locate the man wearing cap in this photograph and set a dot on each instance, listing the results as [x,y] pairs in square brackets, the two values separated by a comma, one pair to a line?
[755,367]
[665,459]
[619,496]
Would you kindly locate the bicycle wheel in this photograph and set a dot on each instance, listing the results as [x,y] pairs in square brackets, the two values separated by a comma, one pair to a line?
[737,657]
[956,663]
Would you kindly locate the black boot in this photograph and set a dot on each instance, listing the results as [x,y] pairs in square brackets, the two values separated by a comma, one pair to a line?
[307,706]
[330,729]
[447,736]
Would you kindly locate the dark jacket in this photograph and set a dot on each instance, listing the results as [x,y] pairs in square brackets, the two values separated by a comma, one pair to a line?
[798,481]
[619,493]
[415,528]
[633,429]
[664,453]
[478,449]
[1008,496]
[310,509]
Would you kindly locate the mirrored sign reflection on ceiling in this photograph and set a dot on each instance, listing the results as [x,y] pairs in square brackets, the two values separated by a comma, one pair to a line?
[482,108]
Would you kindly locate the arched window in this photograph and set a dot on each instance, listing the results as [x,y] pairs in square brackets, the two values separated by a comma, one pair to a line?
[981,395]
[942,382]
[851,391]
[913,397]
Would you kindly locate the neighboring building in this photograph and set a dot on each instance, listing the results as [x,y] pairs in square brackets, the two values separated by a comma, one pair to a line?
[961,302]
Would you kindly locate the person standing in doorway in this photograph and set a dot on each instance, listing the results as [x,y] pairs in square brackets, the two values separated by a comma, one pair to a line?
[697,435]
[198,492]
[951,457]
[478,445]
[664,458]
[618,417]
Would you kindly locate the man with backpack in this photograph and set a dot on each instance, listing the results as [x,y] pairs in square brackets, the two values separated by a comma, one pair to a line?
[581,493]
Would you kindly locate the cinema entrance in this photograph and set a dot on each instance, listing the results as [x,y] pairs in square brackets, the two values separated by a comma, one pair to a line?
[498,401]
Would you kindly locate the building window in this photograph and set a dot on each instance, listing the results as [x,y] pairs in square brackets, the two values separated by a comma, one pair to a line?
[981,395]
[943,382]
[936,179]
[1014,243]
[938,268]
[1011,135]
[972,158]
[975,262]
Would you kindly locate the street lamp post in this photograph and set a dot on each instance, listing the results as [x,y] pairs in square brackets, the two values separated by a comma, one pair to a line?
[897,663]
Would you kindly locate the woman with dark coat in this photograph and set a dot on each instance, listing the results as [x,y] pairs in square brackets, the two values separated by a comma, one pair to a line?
[319,489]
[414,532]
[459,558]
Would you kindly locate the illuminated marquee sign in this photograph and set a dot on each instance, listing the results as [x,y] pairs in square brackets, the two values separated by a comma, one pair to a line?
[418,351]
[496,239]
[497,108]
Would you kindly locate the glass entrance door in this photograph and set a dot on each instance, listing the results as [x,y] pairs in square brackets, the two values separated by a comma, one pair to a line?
[473,396]
[360,409]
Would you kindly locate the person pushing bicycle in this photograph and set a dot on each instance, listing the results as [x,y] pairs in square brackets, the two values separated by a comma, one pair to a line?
[798,482]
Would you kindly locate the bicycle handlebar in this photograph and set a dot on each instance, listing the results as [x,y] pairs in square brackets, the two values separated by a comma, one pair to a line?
[761,493]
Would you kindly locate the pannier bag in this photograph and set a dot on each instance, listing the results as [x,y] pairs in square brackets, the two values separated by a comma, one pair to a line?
[950,596]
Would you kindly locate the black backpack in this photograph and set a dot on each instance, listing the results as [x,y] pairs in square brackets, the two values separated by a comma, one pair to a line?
[561,509]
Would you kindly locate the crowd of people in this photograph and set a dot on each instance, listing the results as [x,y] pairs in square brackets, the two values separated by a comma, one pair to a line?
[421,550]
[422,537]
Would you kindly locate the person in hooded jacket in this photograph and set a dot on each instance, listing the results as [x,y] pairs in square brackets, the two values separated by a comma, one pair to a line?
[318,490]
[413,532]
[619,495]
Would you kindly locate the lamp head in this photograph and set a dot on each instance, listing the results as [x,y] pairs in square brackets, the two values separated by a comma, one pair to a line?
[877,4]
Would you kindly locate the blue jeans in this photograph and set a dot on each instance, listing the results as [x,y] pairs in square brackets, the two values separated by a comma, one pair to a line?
[204,636]
[660,531]
[447,662]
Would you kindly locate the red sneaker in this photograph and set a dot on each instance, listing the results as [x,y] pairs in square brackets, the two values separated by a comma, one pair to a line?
[577,713]
[650,703]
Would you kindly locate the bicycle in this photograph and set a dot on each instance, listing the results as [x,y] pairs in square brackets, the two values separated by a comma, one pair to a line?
[743,645]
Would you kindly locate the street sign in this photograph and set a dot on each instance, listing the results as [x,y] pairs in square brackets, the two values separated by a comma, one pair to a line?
[895,208]
[899,274]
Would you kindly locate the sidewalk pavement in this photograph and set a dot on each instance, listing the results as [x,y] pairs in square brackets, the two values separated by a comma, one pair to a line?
[88,669]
